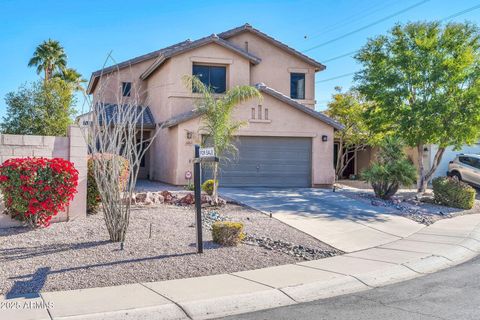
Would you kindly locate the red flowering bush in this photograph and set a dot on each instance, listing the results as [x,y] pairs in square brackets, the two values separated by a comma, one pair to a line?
[93,194]
[36,189]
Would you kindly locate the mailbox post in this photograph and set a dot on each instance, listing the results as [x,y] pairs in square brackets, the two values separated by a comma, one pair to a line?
[202,155]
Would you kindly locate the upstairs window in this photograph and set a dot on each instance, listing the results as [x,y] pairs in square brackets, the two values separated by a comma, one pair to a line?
[297,85]
[214,77]
[126,88]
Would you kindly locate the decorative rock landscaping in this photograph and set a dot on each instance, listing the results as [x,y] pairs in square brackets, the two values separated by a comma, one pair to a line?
[405,203]
[160,245]
[297,251]
[180,198]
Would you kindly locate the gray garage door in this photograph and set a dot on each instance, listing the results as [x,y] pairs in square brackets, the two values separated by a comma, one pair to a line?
[268,162]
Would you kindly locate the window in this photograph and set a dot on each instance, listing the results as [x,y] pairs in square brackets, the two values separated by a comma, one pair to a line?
[473,162]
[469,161]
[476,163]
[464,160]
[126,88]
[214,77]
[297,85]
[259,114]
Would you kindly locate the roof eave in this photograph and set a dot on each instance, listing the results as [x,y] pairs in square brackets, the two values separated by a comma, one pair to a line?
[317,115]
[92,83]
[208,40]
[248,28]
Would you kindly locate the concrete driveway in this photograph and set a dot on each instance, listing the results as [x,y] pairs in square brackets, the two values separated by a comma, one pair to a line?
[342,222]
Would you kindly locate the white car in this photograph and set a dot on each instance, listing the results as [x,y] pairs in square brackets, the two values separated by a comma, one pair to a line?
[465,167]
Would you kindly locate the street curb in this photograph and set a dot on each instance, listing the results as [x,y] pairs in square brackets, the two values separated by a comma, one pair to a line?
[201,304]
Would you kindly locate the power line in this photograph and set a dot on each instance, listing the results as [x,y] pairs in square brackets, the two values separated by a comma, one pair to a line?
[457,14]
[461,12]
[368,25]
[352,19]
[341,56]
[337,77]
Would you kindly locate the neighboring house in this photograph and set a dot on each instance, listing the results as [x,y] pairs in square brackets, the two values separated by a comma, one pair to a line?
[364,158]
[285,142]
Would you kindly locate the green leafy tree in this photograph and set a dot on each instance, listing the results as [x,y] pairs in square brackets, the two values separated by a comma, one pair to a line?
[425,81]
[39,109]
[48,58]
[218,124]
[391,170]
[72,77]
[349,109]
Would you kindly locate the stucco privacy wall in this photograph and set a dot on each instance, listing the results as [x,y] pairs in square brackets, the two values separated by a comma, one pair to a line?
[72,148]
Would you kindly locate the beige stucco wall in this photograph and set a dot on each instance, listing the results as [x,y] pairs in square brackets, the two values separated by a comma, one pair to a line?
[276,66]
[284,121]
[109,86]
[366,157]
[168,94]
[72,147]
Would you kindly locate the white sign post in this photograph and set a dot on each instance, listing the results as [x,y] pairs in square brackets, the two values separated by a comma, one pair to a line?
[207,152]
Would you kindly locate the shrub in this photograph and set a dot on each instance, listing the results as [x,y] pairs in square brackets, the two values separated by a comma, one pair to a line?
[189,187]
[36,189]
[227,233]
[93,195]
[453,193]
[207,186]
[391,170]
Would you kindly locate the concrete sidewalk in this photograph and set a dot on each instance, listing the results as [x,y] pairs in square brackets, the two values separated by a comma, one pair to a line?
[342,222]
[443,244]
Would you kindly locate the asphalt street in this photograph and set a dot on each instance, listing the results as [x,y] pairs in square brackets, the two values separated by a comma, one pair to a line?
[453,293]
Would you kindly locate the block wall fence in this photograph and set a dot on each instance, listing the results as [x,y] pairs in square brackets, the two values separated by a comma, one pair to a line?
[72,148]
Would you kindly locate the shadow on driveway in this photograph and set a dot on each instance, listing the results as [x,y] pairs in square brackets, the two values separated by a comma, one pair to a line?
[307,201]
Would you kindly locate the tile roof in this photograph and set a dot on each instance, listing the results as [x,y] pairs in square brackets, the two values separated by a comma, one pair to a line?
[280,96]
[163,54]
[146,121]
[248,28]
[195,44]
[175,120]
[96,74]
[182,117]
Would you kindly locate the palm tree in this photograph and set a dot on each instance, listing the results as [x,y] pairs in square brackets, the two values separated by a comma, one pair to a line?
[48,57]
[72,77]
[218,124]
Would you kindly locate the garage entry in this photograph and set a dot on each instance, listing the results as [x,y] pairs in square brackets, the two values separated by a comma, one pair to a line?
[268,162]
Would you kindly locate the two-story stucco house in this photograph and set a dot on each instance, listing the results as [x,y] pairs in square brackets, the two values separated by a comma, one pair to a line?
[285,142]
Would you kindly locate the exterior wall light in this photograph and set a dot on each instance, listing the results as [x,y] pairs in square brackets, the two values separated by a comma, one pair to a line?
[324,138]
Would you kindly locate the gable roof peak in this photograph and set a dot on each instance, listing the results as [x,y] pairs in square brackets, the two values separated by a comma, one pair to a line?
[248,28]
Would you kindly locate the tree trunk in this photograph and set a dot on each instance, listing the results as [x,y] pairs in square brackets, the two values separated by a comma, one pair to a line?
[117,234]
[421,182]
[435,163]
[339,164]
[424,177]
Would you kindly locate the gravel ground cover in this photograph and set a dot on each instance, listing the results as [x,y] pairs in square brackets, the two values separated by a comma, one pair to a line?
[404,203]
[78,254]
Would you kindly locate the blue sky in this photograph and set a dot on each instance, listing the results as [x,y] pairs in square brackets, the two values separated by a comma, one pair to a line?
[90,29]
